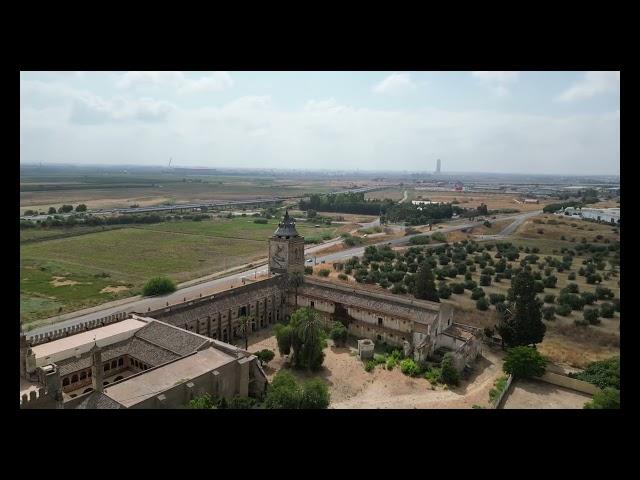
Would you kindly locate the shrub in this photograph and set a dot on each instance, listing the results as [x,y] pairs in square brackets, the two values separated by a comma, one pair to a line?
[409,367]
[391,363]
[549,298]
[457,288]
[549,313]
[265,356]
[261,221]
[444,291]
[315,395]
[158,286]
[477,293]
[563,310]
[588,298]
[591,316]
[342,276]
[485,280]
[482,304]
[538,286]
[524,362]
[609,398]
[324,272]
[308,270]
[602,373]
[370,365]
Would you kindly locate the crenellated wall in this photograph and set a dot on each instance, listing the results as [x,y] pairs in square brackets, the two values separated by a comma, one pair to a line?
[56,334]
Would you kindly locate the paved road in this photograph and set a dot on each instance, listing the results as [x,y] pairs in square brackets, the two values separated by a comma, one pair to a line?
[141,305]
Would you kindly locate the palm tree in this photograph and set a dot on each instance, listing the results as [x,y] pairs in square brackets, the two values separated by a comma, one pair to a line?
[309,332]
[243,327]
[295,280]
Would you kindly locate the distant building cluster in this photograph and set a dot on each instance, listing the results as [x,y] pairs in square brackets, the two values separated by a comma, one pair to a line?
[608,215]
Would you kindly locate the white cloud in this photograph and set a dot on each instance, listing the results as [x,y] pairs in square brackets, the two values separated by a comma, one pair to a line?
[593,83]
[211,82]
[394,84]
[498,81]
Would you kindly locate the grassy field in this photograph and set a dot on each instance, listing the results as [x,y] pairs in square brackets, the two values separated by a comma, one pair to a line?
[67,274]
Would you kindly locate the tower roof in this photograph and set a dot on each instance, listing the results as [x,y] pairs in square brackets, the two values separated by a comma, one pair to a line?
[287,227]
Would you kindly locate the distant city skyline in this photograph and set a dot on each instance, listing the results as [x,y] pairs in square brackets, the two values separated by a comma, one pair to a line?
[558,123]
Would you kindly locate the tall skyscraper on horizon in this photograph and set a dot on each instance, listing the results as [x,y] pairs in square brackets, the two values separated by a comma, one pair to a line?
[438,166]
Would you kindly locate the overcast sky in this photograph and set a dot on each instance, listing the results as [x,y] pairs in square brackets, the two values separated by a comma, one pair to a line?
[504,122]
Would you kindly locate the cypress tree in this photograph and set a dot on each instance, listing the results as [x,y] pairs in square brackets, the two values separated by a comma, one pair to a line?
[425,286]
[522,323]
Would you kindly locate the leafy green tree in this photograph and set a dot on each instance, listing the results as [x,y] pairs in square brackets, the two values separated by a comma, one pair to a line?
[265,356]
[284,334]
[81,208]
[448,372]
[52,211]
[444,291]
[522,322]
[158,286]
[339,334]
[425,286]
[284,392]
[524,362]
[591,316]
[606,310]
[65,209]
[482,304]
[609,398]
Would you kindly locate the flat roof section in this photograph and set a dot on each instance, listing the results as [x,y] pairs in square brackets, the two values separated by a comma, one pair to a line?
[80,343]
[153,382]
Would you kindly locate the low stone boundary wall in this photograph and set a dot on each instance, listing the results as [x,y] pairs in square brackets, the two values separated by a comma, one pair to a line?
[498,401]
[568,382]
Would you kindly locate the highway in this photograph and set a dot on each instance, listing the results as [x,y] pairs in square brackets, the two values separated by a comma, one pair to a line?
[141,305]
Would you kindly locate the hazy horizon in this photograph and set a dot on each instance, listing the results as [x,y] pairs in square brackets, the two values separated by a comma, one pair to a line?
[518,123]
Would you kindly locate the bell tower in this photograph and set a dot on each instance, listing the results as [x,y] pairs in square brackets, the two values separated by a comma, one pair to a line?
[286,248]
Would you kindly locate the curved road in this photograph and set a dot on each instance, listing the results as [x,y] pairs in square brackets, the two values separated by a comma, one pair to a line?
[141,305]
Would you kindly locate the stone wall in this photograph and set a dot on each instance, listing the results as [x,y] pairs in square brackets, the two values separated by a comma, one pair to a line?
[217,316]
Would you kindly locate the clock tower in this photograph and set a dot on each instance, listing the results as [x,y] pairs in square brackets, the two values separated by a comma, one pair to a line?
[286,248]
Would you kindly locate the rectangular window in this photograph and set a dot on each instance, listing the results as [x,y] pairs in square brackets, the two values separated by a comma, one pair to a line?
[380,321]
[312,303]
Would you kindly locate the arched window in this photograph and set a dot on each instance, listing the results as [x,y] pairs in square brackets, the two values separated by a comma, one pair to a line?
[90,373]
[106,367]
[120,362]
[145,367]
[65,382]
[74,378]
[83,375]
[114,364]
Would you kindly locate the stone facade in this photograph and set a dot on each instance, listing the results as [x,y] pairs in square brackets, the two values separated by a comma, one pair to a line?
[218,316]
